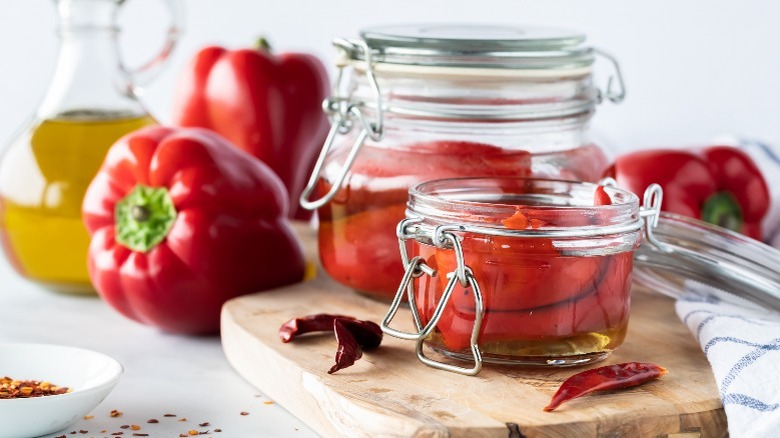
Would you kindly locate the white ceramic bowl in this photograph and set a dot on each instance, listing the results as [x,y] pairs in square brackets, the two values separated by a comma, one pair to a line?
[90,375]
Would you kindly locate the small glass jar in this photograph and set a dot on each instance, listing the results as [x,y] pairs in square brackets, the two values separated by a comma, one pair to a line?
[516,270]
[422,102]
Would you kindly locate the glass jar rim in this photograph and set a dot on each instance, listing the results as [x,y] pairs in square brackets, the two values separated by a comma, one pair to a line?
[488,46]
[487,202]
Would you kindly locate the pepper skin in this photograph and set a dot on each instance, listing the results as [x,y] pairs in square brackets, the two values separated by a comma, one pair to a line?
[268,105]
[717,184]
[609,377]
[182,221]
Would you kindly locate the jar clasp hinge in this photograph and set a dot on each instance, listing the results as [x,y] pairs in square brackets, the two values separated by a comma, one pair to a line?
[443,238]
[343,113]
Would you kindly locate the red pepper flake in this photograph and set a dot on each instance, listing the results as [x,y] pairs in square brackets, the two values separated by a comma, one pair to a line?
[124,426]
[268,402]
[10,388]
[244,413]
[352,335]
[217,430]
[89,417]
[182,419]
[184,435]
[169,415]
[140,434]
[103,431]
[61,436]
[115,413]
[204,424]
[204,432]
[118,433]
[621,375]
[152,420]
[83,432]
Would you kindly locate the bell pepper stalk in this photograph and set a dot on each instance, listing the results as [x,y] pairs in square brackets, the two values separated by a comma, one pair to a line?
[266,104]
[717,184]
[181,221]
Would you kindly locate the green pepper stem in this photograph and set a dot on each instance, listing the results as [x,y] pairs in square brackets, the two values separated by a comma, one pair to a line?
[263,44]
[722,209]
[144,218]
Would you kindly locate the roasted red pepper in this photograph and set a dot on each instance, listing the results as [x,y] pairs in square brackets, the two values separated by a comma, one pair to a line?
[180,222]
[269,105]
[353,335]
[719,184]
[621,375]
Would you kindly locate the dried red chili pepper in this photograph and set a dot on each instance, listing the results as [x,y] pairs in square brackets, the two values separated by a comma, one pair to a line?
[621,375]
[353,337]
[321,322]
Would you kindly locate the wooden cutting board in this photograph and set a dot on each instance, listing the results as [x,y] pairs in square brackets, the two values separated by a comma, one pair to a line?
[390,393]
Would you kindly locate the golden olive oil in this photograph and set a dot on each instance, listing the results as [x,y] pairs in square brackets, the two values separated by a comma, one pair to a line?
[43,178]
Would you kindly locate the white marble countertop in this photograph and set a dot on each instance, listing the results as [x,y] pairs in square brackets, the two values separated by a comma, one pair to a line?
[164,374]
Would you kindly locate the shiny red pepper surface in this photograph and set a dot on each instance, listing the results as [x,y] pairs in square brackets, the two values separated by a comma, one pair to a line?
[718,184]
[269,105]
[617,376]
[182,221]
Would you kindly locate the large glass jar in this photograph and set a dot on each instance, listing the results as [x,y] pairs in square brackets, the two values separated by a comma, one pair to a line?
[415,103]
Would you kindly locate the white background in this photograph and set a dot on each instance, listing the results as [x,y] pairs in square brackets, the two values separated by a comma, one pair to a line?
[694,69]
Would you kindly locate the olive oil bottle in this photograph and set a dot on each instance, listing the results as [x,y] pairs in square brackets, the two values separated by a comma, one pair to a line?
[43,178]
[91,102]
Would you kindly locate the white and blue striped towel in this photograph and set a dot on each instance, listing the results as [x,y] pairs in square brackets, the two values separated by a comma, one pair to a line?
[742,343]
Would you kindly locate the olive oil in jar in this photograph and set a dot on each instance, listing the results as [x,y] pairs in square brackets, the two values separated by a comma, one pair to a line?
[43,178]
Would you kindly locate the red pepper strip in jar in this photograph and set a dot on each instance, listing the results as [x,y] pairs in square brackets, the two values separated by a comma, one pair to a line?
[601,197]
[353,337]
[321,322]
[621,375]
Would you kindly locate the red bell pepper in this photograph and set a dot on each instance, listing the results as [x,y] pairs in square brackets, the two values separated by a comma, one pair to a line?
[182,221]
[718,184]
[268,105]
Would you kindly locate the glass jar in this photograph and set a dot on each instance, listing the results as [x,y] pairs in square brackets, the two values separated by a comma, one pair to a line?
[530,270]
[91,102]
[415,103]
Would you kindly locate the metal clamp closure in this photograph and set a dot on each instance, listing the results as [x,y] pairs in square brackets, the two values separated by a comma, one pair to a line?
[615,96]
[343,113]
[443,238]
[651,212]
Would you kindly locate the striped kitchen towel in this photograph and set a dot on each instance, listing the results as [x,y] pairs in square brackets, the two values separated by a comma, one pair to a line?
[742,343]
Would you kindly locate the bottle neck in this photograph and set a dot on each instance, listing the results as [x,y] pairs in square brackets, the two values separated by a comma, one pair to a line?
[88,80]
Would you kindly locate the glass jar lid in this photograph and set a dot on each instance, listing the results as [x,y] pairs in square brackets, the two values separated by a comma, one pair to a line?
[479,46]
[680,250]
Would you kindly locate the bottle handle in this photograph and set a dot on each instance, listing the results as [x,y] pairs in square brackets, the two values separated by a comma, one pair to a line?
[137,77]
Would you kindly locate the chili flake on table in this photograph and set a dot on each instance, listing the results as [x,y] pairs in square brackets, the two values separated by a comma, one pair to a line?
[10,388]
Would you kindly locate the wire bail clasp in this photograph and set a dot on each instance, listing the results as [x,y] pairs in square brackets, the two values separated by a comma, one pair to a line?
[443,238]
[615,96]
[651,212]
[343,113]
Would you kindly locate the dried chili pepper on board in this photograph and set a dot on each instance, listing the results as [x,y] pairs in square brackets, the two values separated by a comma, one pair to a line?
[321,322]
[353,335]
[621,375]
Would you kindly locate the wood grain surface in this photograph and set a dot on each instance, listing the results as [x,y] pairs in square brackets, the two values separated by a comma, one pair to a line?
[390,393]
